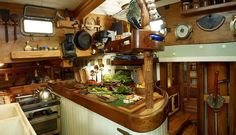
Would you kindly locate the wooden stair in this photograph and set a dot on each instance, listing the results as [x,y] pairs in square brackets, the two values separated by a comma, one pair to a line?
[183,123]
[190,105]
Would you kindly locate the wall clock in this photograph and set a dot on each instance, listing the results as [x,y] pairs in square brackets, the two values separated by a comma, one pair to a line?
[182,31]
[90,23]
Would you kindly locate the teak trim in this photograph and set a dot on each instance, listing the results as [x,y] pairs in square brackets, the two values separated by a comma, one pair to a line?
[135,122]
[88,6]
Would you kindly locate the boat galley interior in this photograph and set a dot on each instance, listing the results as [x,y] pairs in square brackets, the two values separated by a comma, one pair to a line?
[117,67]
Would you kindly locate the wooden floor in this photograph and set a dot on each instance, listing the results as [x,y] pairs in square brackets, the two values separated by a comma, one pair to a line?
[183,119]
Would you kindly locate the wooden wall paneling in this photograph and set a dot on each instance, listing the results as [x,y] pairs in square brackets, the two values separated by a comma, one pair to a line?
[163,75]
[223,114]
[181,85]
[105,22]
[232,103]
[201,103]
[173,17]
[18,45]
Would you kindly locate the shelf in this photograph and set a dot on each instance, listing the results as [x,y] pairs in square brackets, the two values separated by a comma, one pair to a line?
[65,24]
[127,62]
[212,8]
[137,62]
[35,54]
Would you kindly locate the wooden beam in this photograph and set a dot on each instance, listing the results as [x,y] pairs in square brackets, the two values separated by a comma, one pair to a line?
[148,76]
[89,5]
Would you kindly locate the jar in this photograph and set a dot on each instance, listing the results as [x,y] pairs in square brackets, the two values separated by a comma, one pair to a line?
[186,6]
[205,3]
[196,5]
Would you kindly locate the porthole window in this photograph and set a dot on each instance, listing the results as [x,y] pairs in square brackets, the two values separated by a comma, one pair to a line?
[38,21]
[37,27]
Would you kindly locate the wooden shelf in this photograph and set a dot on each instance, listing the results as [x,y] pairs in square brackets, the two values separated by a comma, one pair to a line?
[212,8]
[65,24]
[137,62]
[127,62]
[35,54]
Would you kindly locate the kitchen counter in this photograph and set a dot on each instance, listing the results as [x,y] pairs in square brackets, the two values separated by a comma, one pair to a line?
[138,120]
[13,121]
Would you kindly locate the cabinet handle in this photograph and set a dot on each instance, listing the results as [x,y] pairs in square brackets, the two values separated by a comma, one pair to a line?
[123,132]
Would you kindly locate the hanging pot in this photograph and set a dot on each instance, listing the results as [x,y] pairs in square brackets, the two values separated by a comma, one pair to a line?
[82,40]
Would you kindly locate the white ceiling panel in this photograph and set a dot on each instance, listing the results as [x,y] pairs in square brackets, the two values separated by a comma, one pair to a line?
[110,7]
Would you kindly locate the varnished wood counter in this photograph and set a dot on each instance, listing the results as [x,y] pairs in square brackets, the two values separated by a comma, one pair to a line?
[137,122]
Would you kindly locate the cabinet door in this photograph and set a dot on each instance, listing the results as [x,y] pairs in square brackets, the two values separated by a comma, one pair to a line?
[74,118]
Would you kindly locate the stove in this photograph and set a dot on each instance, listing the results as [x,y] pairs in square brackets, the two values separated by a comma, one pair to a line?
[44,116]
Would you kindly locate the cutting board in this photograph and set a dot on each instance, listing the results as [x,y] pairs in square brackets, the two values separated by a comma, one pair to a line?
[83,75]
[140,104]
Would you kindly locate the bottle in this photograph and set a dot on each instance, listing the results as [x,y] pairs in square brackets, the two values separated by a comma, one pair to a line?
[27,46]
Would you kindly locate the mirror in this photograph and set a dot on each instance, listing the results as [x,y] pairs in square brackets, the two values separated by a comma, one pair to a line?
[37,27]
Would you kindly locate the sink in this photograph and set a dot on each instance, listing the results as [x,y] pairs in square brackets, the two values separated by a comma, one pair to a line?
[7,111]
[13,121]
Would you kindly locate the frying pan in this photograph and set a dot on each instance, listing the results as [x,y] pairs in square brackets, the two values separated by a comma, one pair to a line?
[82,40]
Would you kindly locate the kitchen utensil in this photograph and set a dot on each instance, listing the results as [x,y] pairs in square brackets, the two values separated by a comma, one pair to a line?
[77,75]
[82,40]
[210,22]
[14,18]
[92,74]
[106,98]
[45,94]
[5,18]
[101,36]
[96,71]
[101,68]
[83,76]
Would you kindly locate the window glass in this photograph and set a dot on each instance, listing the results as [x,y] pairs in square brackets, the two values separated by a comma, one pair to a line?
[37,27]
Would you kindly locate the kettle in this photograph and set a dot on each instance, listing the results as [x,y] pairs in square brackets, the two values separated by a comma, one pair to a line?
[45,94]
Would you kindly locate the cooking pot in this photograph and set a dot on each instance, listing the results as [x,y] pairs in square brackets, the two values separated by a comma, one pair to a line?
[82,40]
